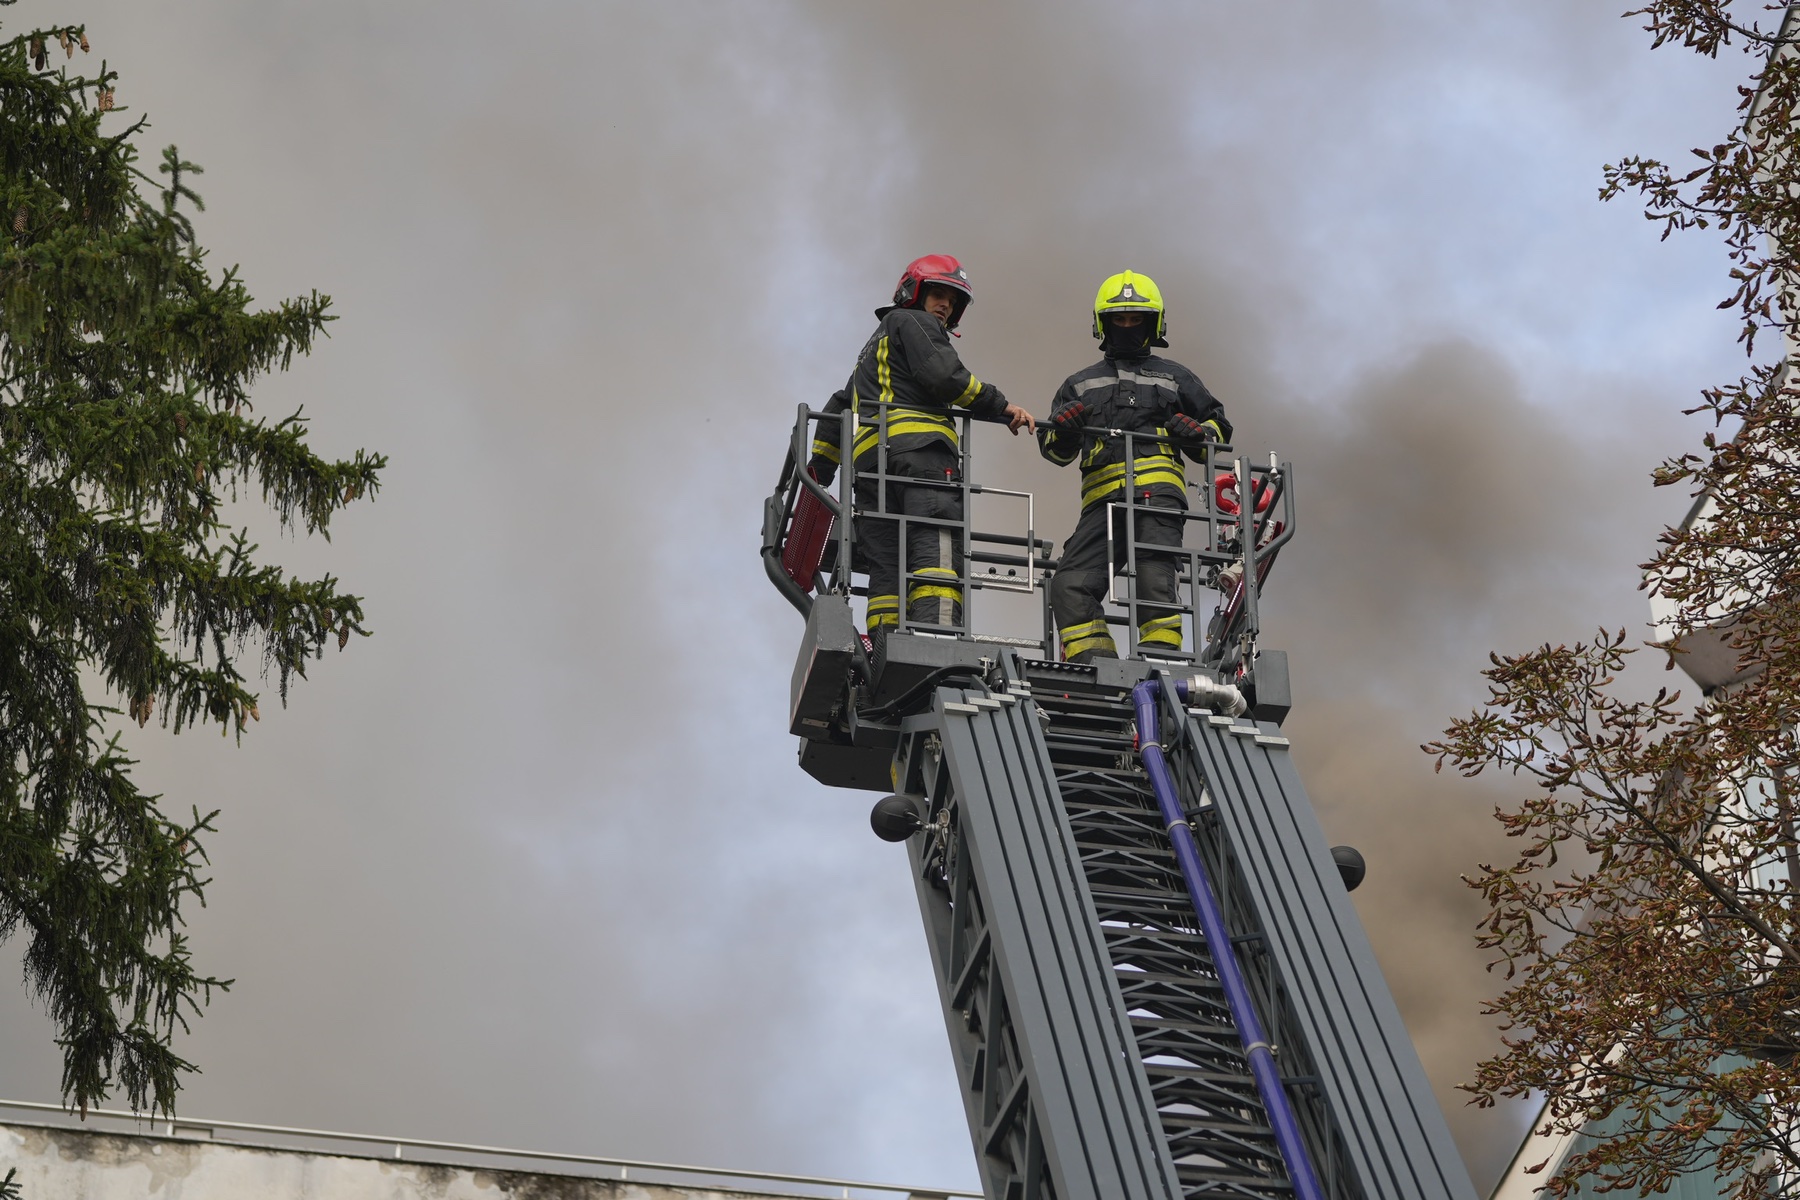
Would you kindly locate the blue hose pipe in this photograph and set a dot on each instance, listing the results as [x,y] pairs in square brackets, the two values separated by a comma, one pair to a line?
[1218,940]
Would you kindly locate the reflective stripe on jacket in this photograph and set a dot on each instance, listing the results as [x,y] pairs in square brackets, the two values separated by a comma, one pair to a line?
[1138,395]
[909,371]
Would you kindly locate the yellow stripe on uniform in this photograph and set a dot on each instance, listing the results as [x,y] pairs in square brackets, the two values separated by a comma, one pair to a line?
[883,611]
[902,421]
[1153,469]
[1089,635]
[1161,631]
[935,591]
[825,449]
[968,394]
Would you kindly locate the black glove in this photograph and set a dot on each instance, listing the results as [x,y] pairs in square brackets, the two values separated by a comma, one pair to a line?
[1186,429]
[1071,418]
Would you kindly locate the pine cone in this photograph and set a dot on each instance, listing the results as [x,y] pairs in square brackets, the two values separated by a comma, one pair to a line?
[106,99]
[62,37]
[19,219]
[38,58]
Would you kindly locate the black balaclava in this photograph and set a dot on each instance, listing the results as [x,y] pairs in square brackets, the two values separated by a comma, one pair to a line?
[1128,343]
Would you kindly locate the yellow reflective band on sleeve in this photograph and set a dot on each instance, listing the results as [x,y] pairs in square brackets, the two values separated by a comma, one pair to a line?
[1161,631]
[968,394]
[825,449]
[883,375]
[1061,460]
[1089,635]
[1151,470]
[1214,426]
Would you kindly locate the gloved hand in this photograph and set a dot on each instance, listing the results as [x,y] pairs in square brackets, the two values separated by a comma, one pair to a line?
[1186,429]
[822,469]
[1070,418]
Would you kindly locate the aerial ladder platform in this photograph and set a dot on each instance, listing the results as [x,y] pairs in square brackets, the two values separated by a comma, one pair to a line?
[1154,982]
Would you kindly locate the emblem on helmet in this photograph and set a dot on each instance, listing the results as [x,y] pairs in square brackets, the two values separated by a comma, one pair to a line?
[1129,291]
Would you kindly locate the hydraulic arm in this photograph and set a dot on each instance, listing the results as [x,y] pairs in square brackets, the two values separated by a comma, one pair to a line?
[1153,979]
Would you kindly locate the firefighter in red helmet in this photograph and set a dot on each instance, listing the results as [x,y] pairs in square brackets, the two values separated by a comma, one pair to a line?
[909,377]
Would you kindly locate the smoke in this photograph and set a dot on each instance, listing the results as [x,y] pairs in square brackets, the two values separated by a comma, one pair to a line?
[1442,517]
[533,865]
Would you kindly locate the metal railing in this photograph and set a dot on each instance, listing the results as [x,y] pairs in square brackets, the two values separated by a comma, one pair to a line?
[325,1141]
[1242,535]
[865,492]
[1236,541]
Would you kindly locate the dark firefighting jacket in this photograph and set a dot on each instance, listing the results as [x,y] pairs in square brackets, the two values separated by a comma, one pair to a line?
[1139,395]
[908,371]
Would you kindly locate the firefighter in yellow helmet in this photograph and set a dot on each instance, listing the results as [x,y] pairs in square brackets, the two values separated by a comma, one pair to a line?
[1132,389]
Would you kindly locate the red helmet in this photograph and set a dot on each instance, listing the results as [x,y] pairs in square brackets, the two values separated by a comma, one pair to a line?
[934,268]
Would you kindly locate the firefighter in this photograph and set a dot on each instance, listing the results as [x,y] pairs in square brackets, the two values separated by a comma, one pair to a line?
[908,377]
[1129,389]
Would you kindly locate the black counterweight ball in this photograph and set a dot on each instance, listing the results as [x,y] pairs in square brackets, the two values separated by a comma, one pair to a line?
[1350,865]
[896,818]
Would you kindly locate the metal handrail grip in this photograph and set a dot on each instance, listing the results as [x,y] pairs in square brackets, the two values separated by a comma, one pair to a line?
[176,1123]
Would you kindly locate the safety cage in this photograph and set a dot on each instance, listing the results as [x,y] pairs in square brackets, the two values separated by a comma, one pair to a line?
[849,689]
[809,547]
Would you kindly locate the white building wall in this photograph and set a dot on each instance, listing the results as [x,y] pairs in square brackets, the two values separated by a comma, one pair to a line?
[70,1164]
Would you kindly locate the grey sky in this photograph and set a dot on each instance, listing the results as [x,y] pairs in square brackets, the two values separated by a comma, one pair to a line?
[533,865]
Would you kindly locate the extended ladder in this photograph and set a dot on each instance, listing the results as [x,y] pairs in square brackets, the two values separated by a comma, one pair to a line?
[1097,1054]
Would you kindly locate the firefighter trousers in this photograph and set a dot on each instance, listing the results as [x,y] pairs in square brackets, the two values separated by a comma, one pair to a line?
[1085,572]
[934,552]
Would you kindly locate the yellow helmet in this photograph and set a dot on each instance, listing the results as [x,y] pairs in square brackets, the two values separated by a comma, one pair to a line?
[1130,292]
